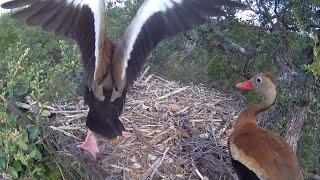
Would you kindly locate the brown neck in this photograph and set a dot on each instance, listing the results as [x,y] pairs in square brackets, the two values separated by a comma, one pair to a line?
[250,113]
[258,108]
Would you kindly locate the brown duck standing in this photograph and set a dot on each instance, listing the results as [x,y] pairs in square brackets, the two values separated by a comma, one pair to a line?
[110,68]
[257,153]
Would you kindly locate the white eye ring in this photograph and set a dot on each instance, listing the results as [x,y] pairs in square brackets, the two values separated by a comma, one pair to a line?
[259,80]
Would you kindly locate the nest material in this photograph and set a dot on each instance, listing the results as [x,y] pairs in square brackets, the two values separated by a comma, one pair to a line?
[179,132]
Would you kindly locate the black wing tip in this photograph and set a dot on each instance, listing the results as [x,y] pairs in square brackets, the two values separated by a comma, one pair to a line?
[5,5]
[10,5]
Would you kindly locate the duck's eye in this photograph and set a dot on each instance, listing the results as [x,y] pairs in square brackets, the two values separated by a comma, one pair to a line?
[259,80]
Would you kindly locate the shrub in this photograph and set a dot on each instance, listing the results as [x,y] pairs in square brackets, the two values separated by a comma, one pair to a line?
[35,64]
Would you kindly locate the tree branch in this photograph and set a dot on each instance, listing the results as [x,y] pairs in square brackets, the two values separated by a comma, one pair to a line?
[12,107]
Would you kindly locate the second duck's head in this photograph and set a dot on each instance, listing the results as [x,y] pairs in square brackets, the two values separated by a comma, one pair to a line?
[263,84]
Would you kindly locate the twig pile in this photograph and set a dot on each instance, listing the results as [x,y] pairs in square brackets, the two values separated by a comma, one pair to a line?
[180,132]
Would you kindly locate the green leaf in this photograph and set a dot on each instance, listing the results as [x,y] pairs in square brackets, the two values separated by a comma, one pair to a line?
[23,145]
[17,166]
[36,154]
[13,119]
[53,174]
[45,113]
[2,164]
[38,170]
[13,173]
[12,147]
[2,126]
[22,159]
[33,132]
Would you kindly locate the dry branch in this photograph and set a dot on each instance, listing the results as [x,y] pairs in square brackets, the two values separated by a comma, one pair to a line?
[13,108]
[64,132]
[294,127]
[142,139]
[143,74]
[150,172]
[172,93]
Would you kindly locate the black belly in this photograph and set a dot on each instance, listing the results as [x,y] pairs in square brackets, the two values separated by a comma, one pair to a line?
[243,172]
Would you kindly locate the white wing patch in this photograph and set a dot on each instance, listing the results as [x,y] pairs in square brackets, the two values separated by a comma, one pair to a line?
[76,2]
[97,7]
[146,10]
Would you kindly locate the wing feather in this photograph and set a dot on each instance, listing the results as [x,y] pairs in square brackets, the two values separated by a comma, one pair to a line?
[82,20]
[17,4]
[27,12]
[61,16]
[154,21]
[44,14]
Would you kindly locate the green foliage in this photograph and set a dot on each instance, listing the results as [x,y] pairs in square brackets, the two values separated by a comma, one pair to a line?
[119,18]
[309,147]
[20,156]
[32,64]
[219,69]
[180,59]
[35,64]
[315,66]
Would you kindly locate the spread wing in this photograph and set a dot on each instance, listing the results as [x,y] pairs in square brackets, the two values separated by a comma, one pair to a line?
[265,153]
[154,21]
[82,20]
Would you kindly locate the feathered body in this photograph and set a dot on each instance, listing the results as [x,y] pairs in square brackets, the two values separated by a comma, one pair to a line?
[256,152]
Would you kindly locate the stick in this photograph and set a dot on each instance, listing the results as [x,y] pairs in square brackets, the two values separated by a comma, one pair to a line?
[23,105]
[148,117]
[199,174]
[172,93]
[205,120]
[161,160]
[122,168]
[64,132]
[143,74]
[152,170]
[66,112]
[11,106]
[69,128]
[183,110]
[148,79]
[142,139]
[160,78]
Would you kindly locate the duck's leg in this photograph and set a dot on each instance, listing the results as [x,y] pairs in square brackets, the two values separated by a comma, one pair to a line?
[90,144]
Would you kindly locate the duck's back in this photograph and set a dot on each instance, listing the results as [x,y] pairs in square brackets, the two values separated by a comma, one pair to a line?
[265,153]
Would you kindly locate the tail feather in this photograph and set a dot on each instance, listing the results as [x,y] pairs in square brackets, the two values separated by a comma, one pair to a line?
[103,117]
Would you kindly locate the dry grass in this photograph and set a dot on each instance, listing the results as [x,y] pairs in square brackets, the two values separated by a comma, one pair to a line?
[180,132]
